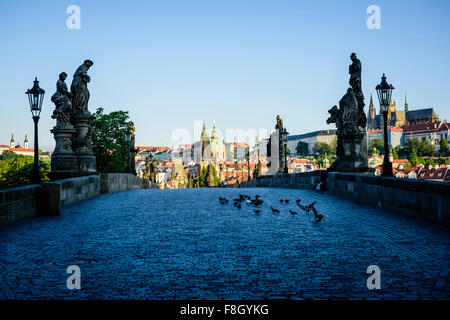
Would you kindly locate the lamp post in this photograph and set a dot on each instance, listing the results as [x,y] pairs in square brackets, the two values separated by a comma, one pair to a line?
[128,140]
[384,92]
[285,138]
[35,98]
[248,162]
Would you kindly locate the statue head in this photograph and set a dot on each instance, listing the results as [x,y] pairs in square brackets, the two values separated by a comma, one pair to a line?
[88,63]
[63,76]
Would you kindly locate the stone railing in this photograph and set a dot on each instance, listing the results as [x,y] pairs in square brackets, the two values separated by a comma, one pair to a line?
[18,203]
[117,182]
[49,198]
[418,198]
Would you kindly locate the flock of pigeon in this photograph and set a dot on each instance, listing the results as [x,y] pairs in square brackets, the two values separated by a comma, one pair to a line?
[257,202]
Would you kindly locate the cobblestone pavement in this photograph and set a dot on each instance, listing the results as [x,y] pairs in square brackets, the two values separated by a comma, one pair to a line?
[178,244]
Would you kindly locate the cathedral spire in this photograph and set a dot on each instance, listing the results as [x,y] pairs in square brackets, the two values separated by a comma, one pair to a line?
[372,112]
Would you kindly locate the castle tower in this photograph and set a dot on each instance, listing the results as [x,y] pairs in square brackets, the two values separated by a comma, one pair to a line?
[25,142]
[12,143]
[406,102]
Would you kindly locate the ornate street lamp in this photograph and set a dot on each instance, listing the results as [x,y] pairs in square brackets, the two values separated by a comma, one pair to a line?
[128,140]
[247,155]
[384,92]
[285,134]
[35,98]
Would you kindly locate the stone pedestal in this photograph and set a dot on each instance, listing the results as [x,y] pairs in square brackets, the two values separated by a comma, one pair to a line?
[276,159]
[82,144]
[355,154]
[64,162]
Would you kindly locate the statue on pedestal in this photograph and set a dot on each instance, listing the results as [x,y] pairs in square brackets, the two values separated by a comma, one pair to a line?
[350,121]
[64,162]
[73,154]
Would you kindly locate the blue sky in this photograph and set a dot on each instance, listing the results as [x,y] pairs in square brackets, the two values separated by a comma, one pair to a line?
[239,63]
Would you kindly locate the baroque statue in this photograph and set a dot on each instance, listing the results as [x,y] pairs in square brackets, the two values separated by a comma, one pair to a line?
[79,88]
[279,124]
[350,121]
[62,100]
[355,83]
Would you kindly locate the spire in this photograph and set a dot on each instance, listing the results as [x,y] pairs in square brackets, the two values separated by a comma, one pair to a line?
[25,142]
[214,132]
[12,144]
[372,113]
[406,102]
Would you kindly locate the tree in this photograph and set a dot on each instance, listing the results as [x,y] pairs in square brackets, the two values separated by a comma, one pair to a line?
[376,146]
[8,155]
[394,154]
[302,148]
[426,149]
[443,147]
[108,140]
[413,157]
[333,145]
[17,172]
[321,148]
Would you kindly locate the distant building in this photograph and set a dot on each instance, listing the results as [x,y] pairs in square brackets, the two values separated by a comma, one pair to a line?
[17,148]
[311,138]
[433,132]
[395,136]
[399,118]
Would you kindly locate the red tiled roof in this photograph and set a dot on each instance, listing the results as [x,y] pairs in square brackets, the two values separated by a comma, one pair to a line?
[432,173]
[157,149]
[422,127]
[391,129]
[401,160]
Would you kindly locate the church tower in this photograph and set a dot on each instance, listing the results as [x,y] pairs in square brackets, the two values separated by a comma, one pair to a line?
[205,140]
[406,102]
[25,142]
[12,144]
[372,121]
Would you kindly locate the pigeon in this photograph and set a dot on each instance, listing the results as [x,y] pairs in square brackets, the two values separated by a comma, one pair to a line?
[238,206]
[257,210]
[275,210]
[303,207]
[311,205]
[223,200]
[286,201]
[293,212]
[318,217]
[298,200]
[257,196]
[281,200]
[257,202]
